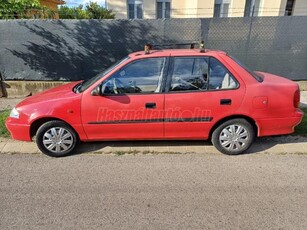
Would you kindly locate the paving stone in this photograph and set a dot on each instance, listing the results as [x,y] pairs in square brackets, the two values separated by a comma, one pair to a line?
[140,149]
[178,149]
[159,149]
[275,149]
[210,149]
[2,144]
[30,147]
[294,148]
[13,147]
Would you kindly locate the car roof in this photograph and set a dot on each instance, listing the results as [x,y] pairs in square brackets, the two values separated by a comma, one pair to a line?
[177,52]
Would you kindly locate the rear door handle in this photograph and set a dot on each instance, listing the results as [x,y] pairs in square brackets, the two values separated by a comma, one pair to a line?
[225,102]
[150,105]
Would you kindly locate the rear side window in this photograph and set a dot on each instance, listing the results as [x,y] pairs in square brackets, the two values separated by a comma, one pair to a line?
[220,77]
[190,74]
[200,73]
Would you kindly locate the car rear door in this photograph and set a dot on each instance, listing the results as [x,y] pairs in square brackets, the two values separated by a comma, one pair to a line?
[200,91]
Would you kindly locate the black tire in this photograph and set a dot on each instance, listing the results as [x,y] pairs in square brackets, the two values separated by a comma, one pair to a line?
[56,139]
[233,137]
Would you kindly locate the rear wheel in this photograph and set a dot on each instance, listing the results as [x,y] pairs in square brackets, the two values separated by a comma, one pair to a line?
[56,139]
[233,137]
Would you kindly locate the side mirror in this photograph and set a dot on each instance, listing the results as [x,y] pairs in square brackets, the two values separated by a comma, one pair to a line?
[96,91]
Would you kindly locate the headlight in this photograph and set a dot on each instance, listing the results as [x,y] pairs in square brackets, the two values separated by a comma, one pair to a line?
[14,113]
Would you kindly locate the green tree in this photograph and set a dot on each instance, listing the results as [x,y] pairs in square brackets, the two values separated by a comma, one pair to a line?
[17,8]
[66,12]
[91,11]
[98,12]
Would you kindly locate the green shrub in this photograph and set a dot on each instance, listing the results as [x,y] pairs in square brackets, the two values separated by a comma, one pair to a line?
[3,131]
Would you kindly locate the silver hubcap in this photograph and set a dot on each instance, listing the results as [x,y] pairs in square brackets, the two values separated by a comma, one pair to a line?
[58,140]
[234,137]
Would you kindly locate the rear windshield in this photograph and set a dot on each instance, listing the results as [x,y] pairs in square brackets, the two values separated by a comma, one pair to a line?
[255,75]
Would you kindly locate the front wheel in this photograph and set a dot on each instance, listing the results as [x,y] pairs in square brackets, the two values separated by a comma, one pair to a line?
[233,137]
[56,139]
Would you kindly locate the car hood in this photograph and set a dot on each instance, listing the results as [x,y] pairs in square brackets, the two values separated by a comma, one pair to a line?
[57,93]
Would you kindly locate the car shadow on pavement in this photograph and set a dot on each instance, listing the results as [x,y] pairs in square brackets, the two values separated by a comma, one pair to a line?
[277,144]
[154,146]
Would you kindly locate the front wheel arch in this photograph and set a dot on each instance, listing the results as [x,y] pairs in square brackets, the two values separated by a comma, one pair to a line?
[39,122]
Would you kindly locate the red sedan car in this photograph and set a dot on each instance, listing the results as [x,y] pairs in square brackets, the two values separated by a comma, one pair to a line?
[174,94]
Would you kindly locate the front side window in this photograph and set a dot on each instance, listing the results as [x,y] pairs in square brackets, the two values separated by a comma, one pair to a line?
[142,76]
[163,9]
[135,9]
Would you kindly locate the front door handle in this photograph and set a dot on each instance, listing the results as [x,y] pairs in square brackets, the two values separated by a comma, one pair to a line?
[150,105]
[225,102]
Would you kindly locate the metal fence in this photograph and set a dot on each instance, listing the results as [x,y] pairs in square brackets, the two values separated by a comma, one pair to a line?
[79,49]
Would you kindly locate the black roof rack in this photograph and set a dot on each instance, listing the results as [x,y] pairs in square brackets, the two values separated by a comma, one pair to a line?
[192,45]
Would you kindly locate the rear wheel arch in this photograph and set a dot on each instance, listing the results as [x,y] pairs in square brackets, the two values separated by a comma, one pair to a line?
[249,119]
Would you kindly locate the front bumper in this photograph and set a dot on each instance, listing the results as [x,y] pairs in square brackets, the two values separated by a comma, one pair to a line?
[17,130]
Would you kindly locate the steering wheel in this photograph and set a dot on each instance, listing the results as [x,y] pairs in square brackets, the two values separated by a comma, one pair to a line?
[118,86]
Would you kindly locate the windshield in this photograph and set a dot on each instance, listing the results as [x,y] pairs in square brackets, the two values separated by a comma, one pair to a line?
[87,83]
[256,76]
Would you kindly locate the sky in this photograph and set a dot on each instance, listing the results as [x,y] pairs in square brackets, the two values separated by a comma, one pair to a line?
[83,2]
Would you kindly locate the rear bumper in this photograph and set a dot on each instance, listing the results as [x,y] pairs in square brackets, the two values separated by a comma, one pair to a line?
[279,126]
[18,131]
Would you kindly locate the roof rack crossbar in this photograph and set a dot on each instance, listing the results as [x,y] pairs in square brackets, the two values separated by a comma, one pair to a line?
[149,46]
[191,44]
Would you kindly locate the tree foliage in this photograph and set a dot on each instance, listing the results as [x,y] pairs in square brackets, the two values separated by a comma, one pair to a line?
[66,12]
[98,12]
[91,11]
[17,8]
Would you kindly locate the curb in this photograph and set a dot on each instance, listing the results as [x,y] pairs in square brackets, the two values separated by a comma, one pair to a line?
[269,145]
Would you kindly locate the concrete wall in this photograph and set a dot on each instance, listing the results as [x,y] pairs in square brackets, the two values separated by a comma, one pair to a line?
[14,89]
[67,50]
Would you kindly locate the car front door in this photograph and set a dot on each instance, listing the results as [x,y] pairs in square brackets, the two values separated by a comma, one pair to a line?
[131,105]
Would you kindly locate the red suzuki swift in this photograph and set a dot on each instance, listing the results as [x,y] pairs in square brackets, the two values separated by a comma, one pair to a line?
[183,94]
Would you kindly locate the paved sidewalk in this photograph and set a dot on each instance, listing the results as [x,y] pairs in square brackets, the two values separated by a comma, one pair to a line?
[268,145]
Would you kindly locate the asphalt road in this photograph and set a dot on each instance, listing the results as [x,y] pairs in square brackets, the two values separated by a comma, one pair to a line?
[192,191]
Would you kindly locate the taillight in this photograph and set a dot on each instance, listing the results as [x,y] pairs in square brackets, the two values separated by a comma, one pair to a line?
[296,99]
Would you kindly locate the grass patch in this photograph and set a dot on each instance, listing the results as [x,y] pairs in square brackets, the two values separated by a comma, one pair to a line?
[301,129]
[3,131]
